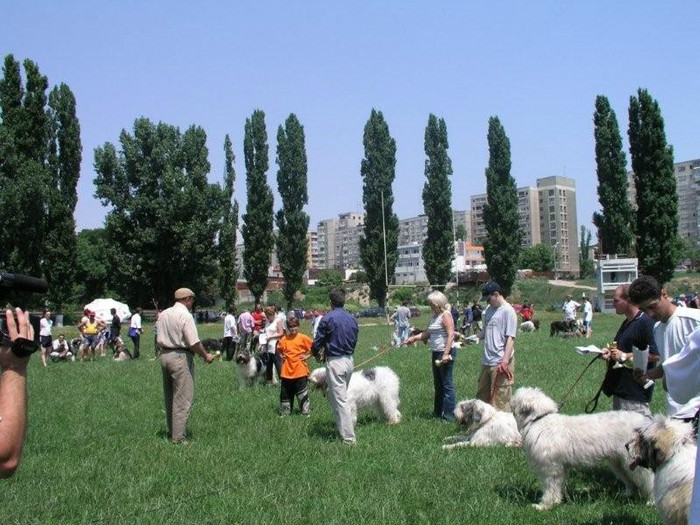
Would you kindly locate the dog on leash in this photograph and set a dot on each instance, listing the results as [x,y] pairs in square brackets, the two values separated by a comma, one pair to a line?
[376,388]
[484,427]
[667,447]
[564,328]
[552,442]
[250,369]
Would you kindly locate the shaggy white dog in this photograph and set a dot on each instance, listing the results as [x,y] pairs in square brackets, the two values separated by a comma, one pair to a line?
[376,387]
[552,442]
[484,426]
[668,448]
[250,369]
[527,326]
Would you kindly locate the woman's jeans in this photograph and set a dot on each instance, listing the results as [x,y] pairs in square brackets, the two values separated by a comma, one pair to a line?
[445,397]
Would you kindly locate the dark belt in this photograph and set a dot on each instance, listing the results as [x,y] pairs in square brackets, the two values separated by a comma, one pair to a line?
[166,349]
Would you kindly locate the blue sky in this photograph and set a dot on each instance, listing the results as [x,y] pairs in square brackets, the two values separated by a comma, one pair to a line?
[538,66]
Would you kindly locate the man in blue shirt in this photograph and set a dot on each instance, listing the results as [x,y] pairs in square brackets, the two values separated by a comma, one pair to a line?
[335,342]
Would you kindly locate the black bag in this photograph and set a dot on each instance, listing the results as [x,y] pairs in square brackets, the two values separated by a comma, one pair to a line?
[613,378]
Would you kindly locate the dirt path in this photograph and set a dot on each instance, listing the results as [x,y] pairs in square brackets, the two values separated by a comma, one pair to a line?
[570,284]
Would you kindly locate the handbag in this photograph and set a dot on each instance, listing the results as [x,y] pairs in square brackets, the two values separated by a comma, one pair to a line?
[133,332]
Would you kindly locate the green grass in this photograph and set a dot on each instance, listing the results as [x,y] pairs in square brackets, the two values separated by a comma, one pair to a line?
[96,450]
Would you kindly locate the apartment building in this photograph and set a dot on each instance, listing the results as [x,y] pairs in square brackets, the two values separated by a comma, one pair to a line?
[688,190]
[528,213]
[349,229]
[325,234]
[558,221]
[415,229]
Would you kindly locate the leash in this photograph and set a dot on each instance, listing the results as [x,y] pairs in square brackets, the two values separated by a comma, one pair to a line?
[563,399]
[379,354]
[493,387]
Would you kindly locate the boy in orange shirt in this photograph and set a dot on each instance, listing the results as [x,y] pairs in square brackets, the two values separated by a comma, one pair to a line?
[295,350]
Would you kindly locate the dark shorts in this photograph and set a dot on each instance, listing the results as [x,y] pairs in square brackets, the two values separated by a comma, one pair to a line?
[46,341]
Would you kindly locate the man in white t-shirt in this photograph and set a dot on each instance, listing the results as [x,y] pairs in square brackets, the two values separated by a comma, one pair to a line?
[671,332]
[230,334]
[570,307]
[497,364]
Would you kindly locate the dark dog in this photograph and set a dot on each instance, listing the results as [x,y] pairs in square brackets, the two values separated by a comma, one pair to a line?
[212,345]
[536,322]
[563,327]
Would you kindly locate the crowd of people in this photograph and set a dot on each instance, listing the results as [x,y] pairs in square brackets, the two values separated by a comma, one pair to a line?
[669,334]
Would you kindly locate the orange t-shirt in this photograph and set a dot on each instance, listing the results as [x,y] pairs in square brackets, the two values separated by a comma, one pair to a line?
[293,348]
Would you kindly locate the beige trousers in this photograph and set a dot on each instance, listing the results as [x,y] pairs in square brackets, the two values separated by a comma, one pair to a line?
[499,384]
[178,390]
[338,373]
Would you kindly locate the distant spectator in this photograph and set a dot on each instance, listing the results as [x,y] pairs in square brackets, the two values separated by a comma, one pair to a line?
[402,323]
[315,319]
[570,307]
[587,317]
[527,311]
[135,330]
[259,318]
[115,329]
[61,350]
[467,319]
[454,311]
[246,326]
[477,313]
[45,325]
[230,334]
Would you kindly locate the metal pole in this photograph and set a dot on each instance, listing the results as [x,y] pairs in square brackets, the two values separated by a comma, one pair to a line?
[386,269]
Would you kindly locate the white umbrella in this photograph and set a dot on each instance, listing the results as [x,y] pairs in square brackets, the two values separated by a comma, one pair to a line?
[102,308]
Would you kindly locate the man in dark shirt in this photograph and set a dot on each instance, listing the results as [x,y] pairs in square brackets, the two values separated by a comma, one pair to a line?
[335,342]
[637,330]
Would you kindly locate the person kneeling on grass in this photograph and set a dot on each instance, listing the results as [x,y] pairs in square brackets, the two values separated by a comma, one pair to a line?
[295,350]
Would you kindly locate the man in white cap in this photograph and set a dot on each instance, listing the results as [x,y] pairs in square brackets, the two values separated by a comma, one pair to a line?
[179,341]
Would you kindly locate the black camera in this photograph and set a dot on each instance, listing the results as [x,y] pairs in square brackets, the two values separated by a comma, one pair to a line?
[21,347]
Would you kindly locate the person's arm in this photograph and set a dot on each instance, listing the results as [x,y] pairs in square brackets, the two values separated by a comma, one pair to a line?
[511,328]
[423,336]
[199,349]
[449,324]
[13,395]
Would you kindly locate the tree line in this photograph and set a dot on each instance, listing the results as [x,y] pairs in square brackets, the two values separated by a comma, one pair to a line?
[167,226]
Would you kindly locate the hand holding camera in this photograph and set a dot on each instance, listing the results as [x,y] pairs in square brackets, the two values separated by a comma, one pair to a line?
[17,340]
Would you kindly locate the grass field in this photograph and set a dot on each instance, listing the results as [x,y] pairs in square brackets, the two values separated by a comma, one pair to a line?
[97,453]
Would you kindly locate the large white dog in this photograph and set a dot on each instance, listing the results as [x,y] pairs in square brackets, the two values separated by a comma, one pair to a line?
[667,447]
[484,426]
[552,442]
[376,387]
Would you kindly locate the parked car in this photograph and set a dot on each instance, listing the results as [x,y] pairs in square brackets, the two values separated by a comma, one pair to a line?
[372,311]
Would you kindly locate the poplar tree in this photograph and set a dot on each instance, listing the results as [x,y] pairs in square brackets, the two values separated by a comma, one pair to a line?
[165,215]
[258,237]
[24,175]
[585,262]
[228,275]
[292,221]
[438,247]
[504,239]
[65,155]
[378,173]
[658,245]
[616,221]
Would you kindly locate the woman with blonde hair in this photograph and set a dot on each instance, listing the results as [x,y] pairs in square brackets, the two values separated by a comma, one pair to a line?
[440,336]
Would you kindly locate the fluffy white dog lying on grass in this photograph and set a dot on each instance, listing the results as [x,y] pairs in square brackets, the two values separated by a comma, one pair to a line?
[376,388]
[667,447]
[484,426]
[554,442]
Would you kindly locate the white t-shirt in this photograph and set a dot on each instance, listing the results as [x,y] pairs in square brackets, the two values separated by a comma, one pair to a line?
[570,310]
[45,327]
[670,338]
[230,329]
[499,323]
[135,321]
[587,311]
[59,346]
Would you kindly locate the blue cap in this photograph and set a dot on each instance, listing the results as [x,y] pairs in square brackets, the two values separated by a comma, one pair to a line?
[488,289]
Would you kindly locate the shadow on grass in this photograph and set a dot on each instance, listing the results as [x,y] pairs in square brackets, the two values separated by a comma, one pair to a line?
[618,518]
[581,487]
[323,430]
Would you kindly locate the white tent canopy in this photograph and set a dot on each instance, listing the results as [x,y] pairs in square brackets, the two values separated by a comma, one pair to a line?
[102,308]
